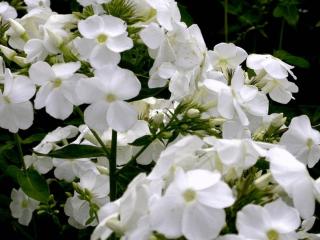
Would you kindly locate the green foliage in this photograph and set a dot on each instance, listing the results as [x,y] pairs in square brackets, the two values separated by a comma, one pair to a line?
[34,185]
[288,10]
[74,151]
[292,59]
[123,9]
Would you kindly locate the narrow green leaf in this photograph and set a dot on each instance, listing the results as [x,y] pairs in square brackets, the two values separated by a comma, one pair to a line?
[74,151]
[292,59]
[13,172]
[34,138]
[144,140]
[34,185]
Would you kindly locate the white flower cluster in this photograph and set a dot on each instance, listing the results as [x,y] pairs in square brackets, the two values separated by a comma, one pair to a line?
[206,182]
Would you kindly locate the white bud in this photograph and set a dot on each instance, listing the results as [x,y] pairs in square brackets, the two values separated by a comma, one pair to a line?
[8,52]
[193,113]
[21,61]
[17,27]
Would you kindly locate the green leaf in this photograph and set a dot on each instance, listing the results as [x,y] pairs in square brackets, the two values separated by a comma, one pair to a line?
[287,11]
[185,16]
[34,138]
[144,140]
[74,151]
[292,59]
[34,185]
[13,172]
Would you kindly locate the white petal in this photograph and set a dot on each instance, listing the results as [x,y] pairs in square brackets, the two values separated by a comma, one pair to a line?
[254,61]
[113,26]
[121,78]
[166,216]
[121,116]
[35,50]
[201,179]
[58,106]
[280,95]
[201,222]
[42,95]
[22,89]
[120,43]
[152,35]
[95,116]
[275,70]
[285,219]
[258,106]
[41,73]
[102,56]
[225,104]
[89,90]
[66,70]
[16,116]
[303,197]
[241,114]
[84,46]
[217,196]
[91,27]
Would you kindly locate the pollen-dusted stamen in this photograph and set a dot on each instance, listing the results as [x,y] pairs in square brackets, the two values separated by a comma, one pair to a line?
[57,83]
[110,98]
[189,195]
[272,235]
[310,143]
[102,38]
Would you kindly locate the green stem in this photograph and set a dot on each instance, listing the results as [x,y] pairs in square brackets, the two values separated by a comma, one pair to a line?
[20,153]
[281,34]
[226,31]
[113,167]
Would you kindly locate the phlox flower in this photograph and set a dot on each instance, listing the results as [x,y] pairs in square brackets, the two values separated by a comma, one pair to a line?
[107,92]
[294,178]
[275,220]
[7,11]
[106,37]
[22,206]
[271,65]
[302,141]
[31,4]
[192,206]
[16,110]
[57,84]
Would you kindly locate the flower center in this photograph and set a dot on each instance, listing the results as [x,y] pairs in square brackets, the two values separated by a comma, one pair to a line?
[110,98]
[57,83]
[272,235]
[24,203]
[309,143]
[189,195]
[102,38]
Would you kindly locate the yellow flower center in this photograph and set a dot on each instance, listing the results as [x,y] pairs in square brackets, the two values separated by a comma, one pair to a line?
[189,195]
[272,235]
[110,98]
[102,38]
[309,143]
[57,83]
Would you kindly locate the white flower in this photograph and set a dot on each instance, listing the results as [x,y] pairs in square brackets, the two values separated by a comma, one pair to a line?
[16,110]
[238,98]
[275,220]
[40,163]
[91,2]
[294,178]
[31,4]
[273,66]
[106,93]
[57,86]
[226,55]
[22,206]
[109,36]
[302,141]
[7,11]
[192,206]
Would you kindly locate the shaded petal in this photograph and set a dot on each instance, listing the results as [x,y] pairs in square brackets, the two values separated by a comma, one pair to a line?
[42,95]
[91,27]
[121,116]
[120,43]
[113,26]
[102,56]
[66,70]
[41,73]
[95,116]
[58,106]
[22,89]
[225,104]
[152,35]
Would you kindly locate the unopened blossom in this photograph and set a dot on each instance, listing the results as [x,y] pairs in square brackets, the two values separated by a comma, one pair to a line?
[107,92]
[22,206]
[192,206]
[7,11]
[31,4]
[275,220]
[57,87]
[302,141]
[16,110]
[271,65]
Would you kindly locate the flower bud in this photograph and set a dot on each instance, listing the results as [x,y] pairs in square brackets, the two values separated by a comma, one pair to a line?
[217,121]
[115,225]
[193,113]
[17,27]
[21,61]
[103,170]
[8,52]
[278,121]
